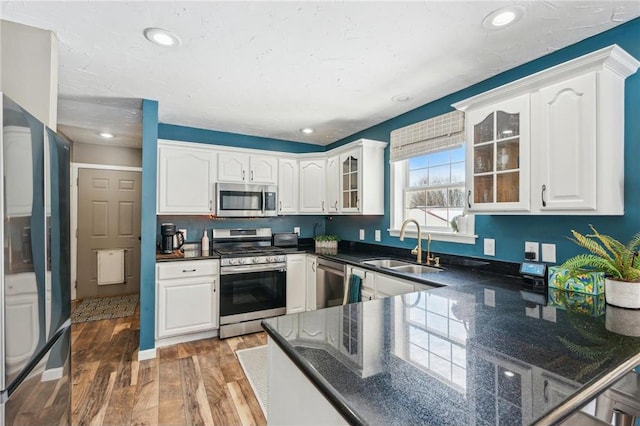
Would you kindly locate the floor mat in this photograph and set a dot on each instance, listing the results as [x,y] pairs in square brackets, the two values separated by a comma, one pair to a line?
[104,308]
[254,363]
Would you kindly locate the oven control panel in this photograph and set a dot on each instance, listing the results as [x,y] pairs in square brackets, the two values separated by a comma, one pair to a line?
[253,260]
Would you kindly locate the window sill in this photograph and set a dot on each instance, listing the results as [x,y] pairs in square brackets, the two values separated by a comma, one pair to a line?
[450,237]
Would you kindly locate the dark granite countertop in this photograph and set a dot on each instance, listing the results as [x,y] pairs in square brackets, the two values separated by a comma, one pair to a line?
[479,352]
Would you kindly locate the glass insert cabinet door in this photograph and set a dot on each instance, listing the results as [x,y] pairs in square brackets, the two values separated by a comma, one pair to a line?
[498,156]
[349,176]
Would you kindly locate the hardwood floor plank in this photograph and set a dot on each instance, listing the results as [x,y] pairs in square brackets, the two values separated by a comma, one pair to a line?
[222,408]
[98,418]
[148,417]
[252,401]
[192,386]
[120,406]
[243,409]
[148,388]
[231,368]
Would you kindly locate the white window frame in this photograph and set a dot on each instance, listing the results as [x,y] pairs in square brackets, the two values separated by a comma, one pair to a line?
[397,177]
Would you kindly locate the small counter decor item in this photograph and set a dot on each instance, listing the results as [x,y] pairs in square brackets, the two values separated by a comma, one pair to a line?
[620,263]
[327,244]
[583,282]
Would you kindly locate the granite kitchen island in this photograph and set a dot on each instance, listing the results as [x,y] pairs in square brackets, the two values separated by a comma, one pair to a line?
[463,354]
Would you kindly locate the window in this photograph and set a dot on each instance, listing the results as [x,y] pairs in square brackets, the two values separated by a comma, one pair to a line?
[428,178]
[434,188]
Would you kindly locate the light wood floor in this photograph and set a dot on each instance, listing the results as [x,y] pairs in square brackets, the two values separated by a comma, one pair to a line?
[196,383]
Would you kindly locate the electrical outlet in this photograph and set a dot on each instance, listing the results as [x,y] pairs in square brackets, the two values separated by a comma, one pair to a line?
[362,234]
[184,233]
[378,236]
[532,247]
[489,247]
[296,230]
[549,253]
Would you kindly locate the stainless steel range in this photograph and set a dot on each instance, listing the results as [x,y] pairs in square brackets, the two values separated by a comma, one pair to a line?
[252,279]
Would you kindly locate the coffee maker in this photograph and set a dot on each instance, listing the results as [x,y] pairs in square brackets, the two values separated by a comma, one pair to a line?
[167,231]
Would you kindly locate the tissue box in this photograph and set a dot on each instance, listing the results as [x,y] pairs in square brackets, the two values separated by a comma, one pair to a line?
[589,283]
[582,303]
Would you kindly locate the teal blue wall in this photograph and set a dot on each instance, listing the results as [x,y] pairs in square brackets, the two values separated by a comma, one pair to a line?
[510,232]
[148,224]
[190,134]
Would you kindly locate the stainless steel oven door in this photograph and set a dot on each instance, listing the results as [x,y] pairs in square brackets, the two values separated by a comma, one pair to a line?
[249,292]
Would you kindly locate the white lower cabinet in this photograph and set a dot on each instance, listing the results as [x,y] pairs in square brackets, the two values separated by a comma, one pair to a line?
[186,297]
[310,270]
[296,285]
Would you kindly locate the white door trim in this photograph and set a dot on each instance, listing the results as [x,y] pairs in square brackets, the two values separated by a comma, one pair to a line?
[75,168]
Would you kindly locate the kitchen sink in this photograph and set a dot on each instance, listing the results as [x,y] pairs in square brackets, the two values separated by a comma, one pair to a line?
[415,269]
[386,263]
[400,266]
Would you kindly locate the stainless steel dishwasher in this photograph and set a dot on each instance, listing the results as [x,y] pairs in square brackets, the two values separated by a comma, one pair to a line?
[330,283]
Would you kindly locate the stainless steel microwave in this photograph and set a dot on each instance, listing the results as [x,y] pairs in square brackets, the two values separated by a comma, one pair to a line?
[240,200]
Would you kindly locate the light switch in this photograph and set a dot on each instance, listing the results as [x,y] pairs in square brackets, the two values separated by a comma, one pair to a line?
[489,247]
[549,253]
[296,230]
[378,236]
[362,234]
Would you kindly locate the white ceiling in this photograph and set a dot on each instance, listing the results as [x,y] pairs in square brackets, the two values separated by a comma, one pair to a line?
[271,68]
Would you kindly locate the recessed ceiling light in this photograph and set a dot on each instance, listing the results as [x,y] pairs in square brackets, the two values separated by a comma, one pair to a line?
[307,130]
[401,98]
[509,373]
[107,135]
[503,18]
[161,37]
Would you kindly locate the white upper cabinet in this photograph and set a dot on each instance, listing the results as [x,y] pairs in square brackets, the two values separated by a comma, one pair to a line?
[185,179]
[498,154]
[233,166]
[333,184]
[565,150]
[312,186]
[244,168]
[361,178]
[568,154]
[288,186]
[263,169]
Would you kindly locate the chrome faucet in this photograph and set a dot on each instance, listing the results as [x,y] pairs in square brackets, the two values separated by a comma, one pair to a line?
[418,249]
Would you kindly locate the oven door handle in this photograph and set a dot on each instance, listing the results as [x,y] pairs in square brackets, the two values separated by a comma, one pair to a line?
[243,269]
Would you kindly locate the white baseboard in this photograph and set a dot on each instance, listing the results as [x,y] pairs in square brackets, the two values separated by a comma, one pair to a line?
[146,354]
[168,341]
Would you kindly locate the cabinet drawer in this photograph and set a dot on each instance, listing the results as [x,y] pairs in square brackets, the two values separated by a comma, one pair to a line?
[184,269]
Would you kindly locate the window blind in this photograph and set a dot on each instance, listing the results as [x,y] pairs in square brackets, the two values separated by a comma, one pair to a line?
[435,134]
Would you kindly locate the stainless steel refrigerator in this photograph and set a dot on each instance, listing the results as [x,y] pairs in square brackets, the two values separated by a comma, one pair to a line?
[35,289]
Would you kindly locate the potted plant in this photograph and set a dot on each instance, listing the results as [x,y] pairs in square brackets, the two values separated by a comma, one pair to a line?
[327,244]
[619,262]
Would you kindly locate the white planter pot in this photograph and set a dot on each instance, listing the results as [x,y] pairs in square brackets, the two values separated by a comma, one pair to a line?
[622,294]
[623,321]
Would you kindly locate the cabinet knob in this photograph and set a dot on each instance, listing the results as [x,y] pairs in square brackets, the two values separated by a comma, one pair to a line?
[544,188]
[243,175]
[251,175]
[323,206]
